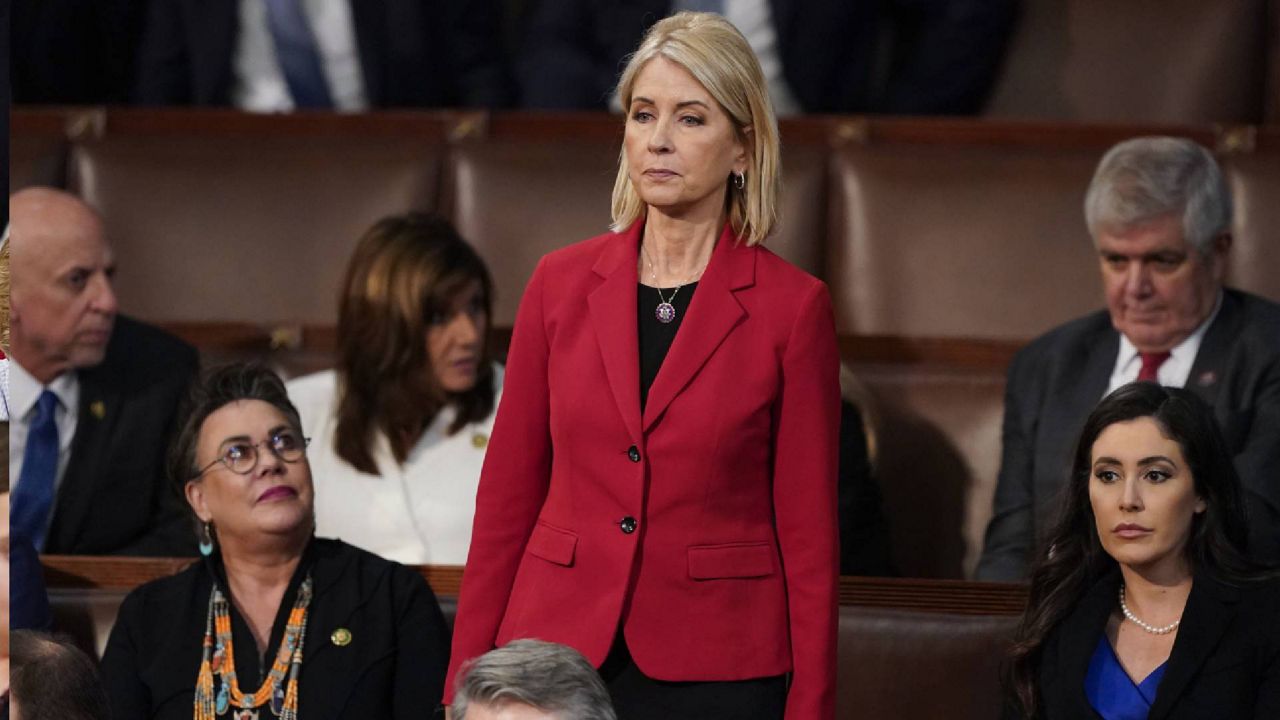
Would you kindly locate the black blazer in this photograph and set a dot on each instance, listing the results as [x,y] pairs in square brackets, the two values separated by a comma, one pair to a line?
[942,59]
[1225,661]
[413,53]
[114,497]
[1055,382]
[393,667]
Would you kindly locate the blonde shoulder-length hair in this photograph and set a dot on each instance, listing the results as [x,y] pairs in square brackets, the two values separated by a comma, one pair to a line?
[718,56]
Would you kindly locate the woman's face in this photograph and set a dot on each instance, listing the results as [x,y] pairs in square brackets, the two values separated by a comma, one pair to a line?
[1143,496]
[274,498]
[455,339]
[680,145]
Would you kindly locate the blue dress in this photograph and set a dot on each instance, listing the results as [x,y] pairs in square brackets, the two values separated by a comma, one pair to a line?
[1112,693]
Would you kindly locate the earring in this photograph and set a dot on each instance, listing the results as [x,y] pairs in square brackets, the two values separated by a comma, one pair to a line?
[206,539]
[739,180]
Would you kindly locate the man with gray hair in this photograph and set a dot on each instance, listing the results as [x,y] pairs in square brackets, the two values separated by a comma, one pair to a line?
[1159,212]
[531,680]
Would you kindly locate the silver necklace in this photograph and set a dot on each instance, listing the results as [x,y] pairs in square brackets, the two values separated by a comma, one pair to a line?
[666,312]
[1149,628]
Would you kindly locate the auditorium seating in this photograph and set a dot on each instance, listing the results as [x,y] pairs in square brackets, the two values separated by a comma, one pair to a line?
[907,649]
[946,244]
[1146,61]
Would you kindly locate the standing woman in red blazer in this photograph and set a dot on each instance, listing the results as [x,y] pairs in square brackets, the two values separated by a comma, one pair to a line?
[660,487]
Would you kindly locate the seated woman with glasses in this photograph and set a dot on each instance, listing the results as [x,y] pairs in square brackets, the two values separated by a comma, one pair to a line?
[1145,602]
[402,421]
[273,621]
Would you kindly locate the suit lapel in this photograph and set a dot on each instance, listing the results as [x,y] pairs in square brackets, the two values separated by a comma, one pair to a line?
[1079,636]
[369,17]
[1210,609]
[100,406]
[212,34]
[1211,359]
[613,315]
[713,312]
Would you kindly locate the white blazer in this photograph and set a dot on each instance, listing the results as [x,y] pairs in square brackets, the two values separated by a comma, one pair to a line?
[416,513]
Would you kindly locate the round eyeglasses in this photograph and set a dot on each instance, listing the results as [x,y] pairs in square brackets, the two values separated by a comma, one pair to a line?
[242,457]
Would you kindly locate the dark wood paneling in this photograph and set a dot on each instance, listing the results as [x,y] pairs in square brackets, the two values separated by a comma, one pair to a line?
[941,596]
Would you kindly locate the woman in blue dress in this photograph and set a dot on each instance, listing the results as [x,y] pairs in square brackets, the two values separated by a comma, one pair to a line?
[1145,603]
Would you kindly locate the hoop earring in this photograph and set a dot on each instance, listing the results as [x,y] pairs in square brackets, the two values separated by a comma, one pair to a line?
[739,180]
[206,539]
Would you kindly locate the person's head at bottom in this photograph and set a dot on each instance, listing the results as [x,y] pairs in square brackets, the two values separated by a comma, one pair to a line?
[51,679]
[531,680]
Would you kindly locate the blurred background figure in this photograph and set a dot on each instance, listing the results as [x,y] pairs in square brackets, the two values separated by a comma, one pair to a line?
[93,394]
[913,57]
[1159,211]
[865,548]
[65,52]
[350,55]
[400,425]
[52,679]
[1144,601]
[231,631]
[531,680]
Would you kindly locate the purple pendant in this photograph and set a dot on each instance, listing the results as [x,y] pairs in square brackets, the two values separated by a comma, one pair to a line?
[666,312]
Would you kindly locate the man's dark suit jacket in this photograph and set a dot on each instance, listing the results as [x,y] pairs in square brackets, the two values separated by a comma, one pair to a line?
[1225,661]
[114,498]
[1056,381]
[943,56]
[413,53]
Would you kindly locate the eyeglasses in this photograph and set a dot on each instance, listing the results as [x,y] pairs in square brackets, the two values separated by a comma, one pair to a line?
[242,457]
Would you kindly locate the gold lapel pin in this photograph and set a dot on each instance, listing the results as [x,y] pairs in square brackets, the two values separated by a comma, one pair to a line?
[479,440]
[341,637]
[98,409]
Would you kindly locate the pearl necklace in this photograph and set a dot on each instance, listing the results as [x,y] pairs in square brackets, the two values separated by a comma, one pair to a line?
[1149,628]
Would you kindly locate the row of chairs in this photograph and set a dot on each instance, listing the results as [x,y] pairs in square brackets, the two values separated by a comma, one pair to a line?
[908,649]
[946,244]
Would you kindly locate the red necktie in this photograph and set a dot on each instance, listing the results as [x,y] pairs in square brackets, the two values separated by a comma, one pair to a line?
[1151,363]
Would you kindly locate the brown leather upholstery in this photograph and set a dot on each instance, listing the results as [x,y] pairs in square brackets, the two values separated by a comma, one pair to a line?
[1146,61]
[960,240]
[516,201]
[255,228]
[937,456]
[1255,253]
[903,664]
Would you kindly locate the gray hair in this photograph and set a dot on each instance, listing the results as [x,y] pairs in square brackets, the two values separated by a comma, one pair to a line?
[550,677]
[1144,178]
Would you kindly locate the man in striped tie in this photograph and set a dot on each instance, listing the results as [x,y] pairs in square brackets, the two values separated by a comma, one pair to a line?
[92,394]
[1159,212]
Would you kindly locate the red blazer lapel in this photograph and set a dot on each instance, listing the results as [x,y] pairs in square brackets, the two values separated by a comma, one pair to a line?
[713,313]
[613,315]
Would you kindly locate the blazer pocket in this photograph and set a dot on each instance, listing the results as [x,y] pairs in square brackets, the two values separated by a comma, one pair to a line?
[553,544]
[734,560]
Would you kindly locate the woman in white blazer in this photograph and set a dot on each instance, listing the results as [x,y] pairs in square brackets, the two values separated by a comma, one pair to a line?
[399,427]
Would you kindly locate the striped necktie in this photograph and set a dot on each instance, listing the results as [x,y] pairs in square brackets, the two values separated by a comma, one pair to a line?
[298,55]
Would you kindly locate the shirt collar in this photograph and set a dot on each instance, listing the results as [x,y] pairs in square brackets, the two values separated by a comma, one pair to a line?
[1185,350]
[24,390]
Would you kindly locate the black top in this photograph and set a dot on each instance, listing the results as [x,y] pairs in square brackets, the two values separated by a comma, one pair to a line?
[1225,662]
[393,666]
[656,336]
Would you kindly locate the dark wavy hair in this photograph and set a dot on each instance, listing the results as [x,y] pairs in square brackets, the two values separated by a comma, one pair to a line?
[406,269]
[1072,559]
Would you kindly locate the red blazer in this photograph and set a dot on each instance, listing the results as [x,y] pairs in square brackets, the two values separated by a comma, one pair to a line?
[705,526]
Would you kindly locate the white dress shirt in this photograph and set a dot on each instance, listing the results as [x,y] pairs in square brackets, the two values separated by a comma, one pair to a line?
[1175,370]
[416,513]
[259,84]
[24,394]
[754,19]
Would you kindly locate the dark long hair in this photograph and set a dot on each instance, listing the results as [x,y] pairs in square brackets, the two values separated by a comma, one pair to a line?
[404,271]
[1072,559]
